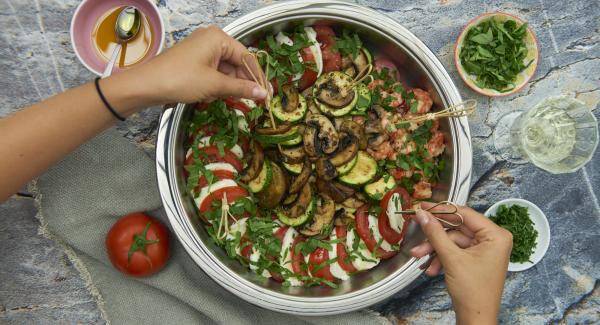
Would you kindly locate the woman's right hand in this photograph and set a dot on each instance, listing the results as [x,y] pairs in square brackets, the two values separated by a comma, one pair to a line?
[206,65]
[475,261]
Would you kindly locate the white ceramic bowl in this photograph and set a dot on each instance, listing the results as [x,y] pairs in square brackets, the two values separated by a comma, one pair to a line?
[540,223]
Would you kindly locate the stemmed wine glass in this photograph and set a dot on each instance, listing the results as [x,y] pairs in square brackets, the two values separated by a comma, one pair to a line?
[559,135]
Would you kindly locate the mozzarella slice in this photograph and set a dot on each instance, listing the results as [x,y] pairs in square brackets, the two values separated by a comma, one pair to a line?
[254,257]
[237,227]
[280,38]
[374,227]
[242,123]
[286,246]
[205,142]
[306,260]
[396,220]
[220,166]
[315,49]
[249,102]
[207,190]
[285,259]
[359,263]
[335,268]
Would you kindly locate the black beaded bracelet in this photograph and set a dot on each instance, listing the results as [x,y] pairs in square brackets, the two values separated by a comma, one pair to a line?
[112,110]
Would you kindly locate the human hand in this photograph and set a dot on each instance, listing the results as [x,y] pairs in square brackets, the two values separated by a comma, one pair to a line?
[206,65]
[475,260]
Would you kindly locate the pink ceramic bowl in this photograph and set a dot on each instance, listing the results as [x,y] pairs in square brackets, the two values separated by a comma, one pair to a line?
[85,18]
[533,53]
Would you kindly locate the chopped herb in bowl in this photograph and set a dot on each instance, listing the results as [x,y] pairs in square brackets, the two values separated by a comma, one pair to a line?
[516,219]
[493,53]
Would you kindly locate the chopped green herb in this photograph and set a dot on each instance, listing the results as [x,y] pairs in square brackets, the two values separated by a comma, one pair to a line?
[516,220]
[324,264]
[255,113]
[283,61]
[310,245]
[374,210]
[348,44]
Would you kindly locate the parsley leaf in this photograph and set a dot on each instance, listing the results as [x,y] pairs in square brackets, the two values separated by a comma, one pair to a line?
[348,44]
[495,53]
[283,61]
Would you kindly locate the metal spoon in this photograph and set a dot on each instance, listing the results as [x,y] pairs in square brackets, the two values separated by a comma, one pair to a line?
[127,26]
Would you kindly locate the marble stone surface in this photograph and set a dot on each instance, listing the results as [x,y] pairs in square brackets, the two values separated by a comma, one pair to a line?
[38,284]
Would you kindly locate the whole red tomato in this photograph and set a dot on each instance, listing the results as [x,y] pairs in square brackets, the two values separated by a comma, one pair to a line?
[138,245]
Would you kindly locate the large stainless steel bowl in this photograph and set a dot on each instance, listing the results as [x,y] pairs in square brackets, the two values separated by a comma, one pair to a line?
[422,69]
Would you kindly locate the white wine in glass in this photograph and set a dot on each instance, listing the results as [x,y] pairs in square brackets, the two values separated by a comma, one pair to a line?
[559,135]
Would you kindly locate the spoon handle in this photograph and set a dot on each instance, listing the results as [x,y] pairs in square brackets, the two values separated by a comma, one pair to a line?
[111,63]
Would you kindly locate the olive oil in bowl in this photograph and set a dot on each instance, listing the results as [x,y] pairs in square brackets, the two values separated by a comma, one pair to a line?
[104,40]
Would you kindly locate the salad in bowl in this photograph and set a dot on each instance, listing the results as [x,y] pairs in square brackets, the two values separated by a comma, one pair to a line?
[305,189]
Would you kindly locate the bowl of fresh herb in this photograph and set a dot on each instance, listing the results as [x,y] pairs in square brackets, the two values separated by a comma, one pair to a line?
[496,54]
[529,227]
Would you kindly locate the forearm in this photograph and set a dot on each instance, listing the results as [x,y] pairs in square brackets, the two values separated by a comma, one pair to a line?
[42,134]
[38,136]
[466,316]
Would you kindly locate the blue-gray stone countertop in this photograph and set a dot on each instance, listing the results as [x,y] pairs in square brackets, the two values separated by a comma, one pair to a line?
[38,284]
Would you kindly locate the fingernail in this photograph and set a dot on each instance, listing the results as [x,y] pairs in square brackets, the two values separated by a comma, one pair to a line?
[414,251]
[422,217]
[259,92]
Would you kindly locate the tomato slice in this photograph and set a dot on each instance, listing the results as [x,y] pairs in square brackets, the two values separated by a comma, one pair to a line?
[340,233]
[244,143]
[317,257]
[213,155]
[389,234]
[325,34]
[308,79]
[219,175]
[201,106]
[275,84]
[332,60]
[297,259]
[236,104]
[233,193]
[405,198]
[307,55]
[246,251]
[362,227]
[279,233]
[309,76]
[207,130]
[276,276]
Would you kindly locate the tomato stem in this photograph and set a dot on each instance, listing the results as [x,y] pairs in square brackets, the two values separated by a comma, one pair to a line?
[140,242]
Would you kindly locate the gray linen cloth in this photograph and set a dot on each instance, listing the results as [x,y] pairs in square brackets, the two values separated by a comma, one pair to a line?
[81,197]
